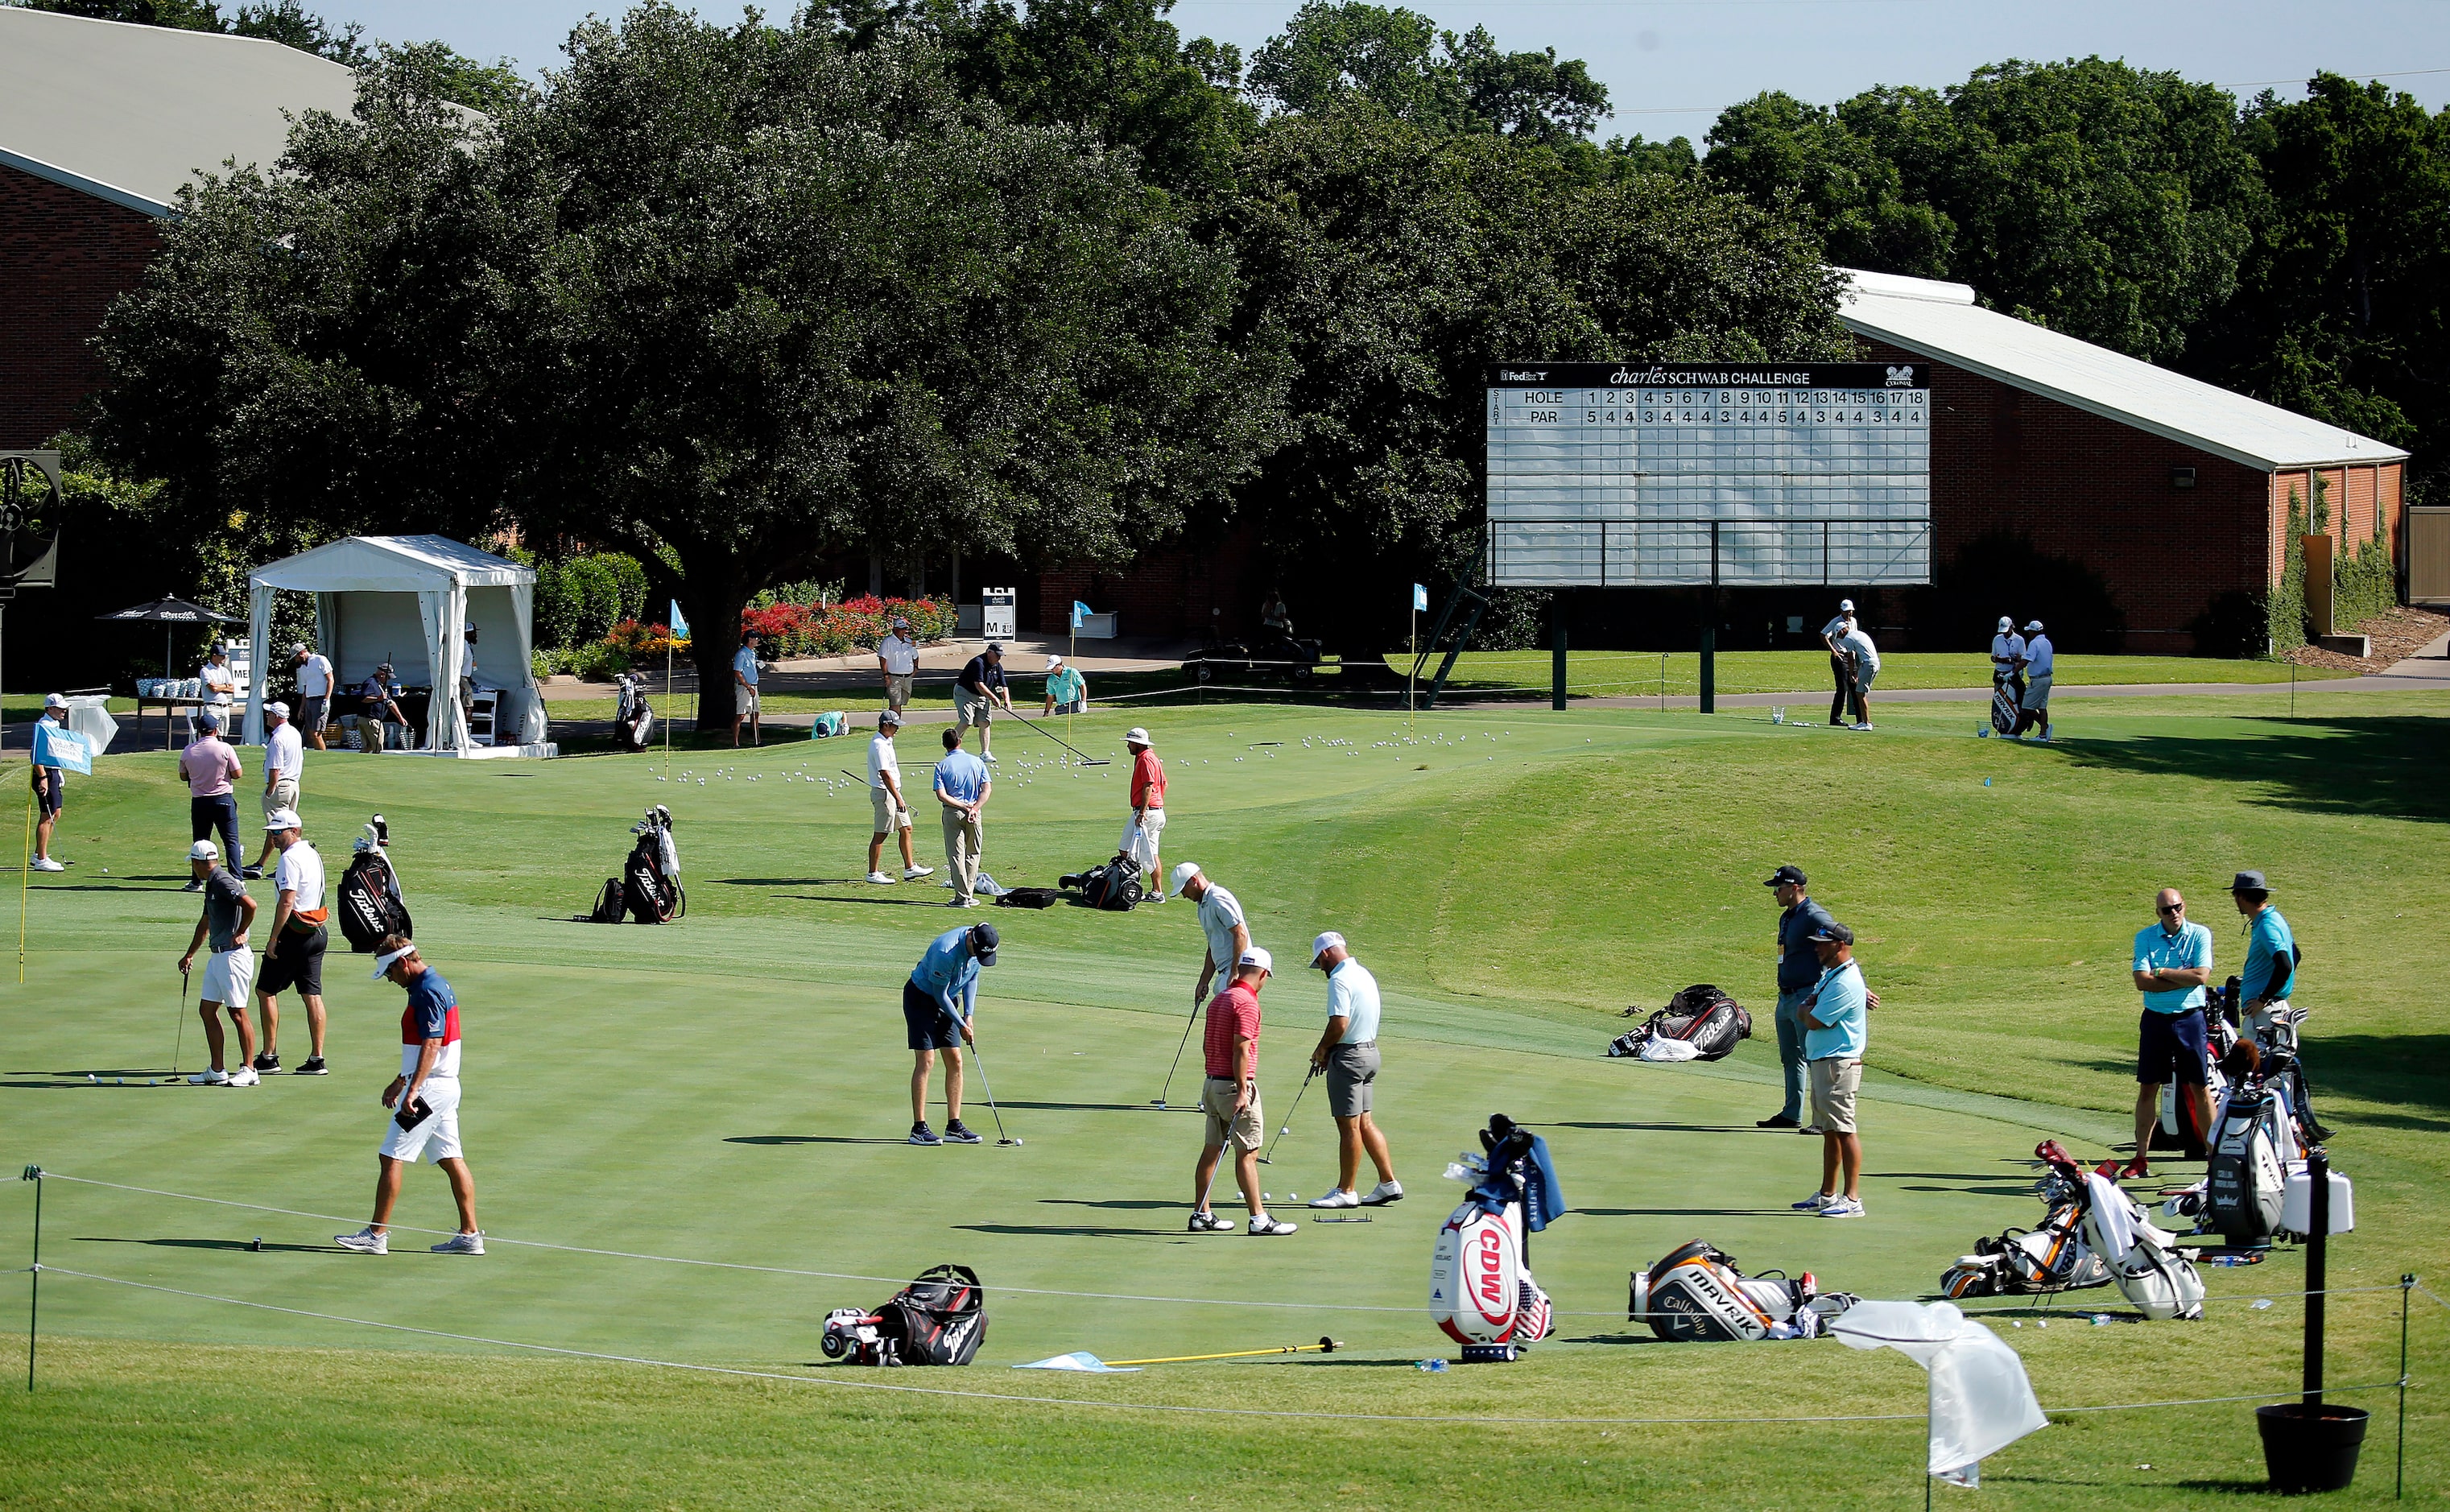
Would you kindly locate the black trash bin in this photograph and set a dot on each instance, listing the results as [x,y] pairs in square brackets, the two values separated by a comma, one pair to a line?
[2311,1449]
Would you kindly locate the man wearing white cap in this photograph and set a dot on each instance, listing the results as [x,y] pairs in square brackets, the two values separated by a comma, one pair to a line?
[1148,811]
[285,762]
[897,657]
[1841,671]
[1067,692]
[425,1099]
[892,809]
[293,955]
[2041,660]
[1863,662]
[229,971]
[1220,921]
[1347,1052]
[2008,659]
[314,692]
[1230,1097]
[51,789]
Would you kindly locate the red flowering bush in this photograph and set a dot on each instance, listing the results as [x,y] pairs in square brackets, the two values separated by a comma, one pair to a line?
[836,629]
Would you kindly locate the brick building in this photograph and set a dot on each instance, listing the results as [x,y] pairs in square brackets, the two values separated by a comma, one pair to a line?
[2175,491]
[100,124]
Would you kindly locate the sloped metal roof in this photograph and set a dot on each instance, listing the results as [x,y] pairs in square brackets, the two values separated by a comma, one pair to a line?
[1941,321]
[128,113]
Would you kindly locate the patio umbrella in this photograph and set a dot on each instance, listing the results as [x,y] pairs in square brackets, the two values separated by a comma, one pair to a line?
[167,612]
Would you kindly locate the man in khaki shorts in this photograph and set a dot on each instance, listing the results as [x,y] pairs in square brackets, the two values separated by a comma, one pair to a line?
[285,762]
[892,809]
[1835,1034]
[1230,1097]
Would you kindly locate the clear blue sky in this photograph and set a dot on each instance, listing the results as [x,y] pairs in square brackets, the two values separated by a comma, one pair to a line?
[1671,65]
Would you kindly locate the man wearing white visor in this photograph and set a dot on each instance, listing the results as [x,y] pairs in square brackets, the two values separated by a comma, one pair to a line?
[424,1099]
[1347,1052]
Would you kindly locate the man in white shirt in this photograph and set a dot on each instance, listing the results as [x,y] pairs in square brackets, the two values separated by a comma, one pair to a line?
[744,678]
[220,684]
[897,657]
[1842,673]
[1347,1053]
[285,762]
[314,672]
[2008,658]
[2041,660]
[1220,922]
[892,809]
[293,954]
[1865,659]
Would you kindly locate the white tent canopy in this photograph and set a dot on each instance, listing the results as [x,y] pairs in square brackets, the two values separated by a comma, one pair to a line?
[387,598]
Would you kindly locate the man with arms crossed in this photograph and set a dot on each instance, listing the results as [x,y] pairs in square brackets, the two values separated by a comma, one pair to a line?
[314,692]
[977,692]
[1148,809]
[743,681]
[1347,1052]
[1798,969]
[426,1095]
[963,785]
[897,658]
[1230,1097]
[1835,1034]
[938,1005]
[285,762]
[892,809]
[293,955]
[2173,964]
[229,971]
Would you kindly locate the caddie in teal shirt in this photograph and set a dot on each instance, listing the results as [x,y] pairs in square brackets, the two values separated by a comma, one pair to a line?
[1835,1037]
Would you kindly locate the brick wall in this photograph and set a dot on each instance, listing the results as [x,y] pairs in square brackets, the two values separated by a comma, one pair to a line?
[1170,591]
[2090,489]
[64,257]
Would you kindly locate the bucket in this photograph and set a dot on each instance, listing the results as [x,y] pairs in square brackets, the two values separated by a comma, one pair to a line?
[2310,1449]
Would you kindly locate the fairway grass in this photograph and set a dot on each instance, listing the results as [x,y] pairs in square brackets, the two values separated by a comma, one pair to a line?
[730,1089]
[1678,674]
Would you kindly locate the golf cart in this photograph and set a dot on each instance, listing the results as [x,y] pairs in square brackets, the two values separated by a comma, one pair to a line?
[1267,655]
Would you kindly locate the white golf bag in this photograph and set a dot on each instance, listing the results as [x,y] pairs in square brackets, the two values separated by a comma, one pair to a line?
[635,717]
[1481,1290]
[1697,1295]
[2145,1262]
[2053,1257]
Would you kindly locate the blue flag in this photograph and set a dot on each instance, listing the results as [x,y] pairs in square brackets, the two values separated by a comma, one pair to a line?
[1420,598]
[680,626]
[1081,613]
[57,746]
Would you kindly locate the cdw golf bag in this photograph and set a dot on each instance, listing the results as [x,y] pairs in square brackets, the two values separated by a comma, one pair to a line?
[634,717]
[939,1319]
[2145,1262]
[1696,1295]
[1115,886]
[1700,1023]
[2050,1257]
[1481,1290]
[368,898]
[649,889]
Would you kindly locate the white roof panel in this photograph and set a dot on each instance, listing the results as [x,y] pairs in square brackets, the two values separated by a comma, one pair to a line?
[1941,321]
[130,113]
[391,564]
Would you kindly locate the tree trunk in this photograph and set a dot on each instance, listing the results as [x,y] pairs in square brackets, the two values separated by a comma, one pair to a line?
[716,601]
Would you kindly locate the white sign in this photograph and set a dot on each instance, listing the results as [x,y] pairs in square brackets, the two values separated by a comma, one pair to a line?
[999,613]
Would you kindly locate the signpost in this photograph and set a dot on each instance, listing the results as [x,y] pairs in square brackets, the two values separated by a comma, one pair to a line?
[1771,475]
[999,613]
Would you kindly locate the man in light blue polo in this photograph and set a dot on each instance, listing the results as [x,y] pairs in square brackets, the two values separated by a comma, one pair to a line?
[744,690]
[940,1007]
[2173,962]
[961,788]
[2265,984]
[1837,1032]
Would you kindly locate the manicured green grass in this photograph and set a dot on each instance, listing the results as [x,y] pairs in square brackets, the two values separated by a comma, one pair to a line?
[1601,674]
[731,1089]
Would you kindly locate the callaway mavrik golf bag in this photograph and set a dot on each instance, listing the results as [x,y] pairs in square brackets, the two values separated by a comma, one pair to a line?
[1696,1295]
[368,898]
[635,719]
[1481,1290]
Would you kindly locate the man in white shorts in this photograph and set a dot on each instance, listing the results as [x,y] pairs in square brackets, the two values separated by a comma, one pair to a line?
[229,971]
[892,809]
[425,1099]
[285,763]
[1144,832]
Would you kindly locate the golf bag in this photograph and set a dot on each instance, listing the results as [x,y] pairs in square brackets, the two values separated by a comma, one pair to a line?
[939,1319]
[2026,1262]
[368,901]
[1700,1016]
[2145,1264]
[1115,886]
[1696,1295]
[1027,898]
[634,718]
[2004,709]
[2251,1157]
[2177,1132]
[1481,1290]
[649,889]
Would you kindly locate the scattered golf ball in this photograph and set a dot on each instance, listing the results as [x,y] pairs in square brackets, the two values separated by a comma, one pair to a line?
[1293,1196]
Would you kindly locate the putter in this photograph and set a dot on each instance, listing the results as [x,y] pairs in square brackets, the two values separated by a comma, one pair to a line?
[1159,1103]
[179,1045]
[1086,760]
[989,1087]
[1270,1157]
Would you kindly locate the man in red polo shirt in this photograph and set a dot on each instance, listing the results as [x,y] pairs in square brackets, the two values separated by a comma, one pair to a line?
[1148,811]
[1229,1097]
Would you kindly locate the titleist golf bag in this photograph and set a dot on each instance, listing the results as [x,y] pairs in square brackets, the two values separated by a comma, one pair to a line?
[1115,886]
[939,1319]
[2145,1262]
[649,889]
[2050,1257]
[1701,1023]
[1696,1295]
[368,898]
[634,718]
[2004,708]
[1481,1290]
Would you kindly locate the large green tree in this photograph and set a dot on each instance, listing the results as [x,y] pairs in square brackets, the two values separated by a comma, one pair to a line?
[1336,52]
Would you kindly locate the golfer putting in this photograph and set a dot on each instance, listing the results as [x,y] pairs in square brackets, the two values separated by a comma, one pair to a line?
[1230,1097]
[425,1102]
[939,1005]
[1347,1053]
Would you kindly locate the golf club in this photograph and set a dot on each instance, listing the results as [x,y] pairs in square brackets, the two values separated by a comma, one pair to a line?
[1287,1127]
[1086,760]
[179,1045]
[1324,1346]
[989,1088]
[1158,1102]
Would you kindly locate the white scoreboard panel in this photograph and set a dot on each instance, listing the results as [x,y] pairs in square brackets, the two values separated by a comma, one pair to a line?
[1612,475]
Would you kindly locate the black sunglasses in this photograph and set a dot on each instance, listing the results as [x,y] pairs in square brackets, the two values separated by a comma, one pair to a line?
[2170,908]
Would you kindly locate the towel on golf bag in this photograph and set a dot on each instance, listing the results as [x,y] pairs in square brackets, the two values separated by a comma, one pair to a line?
[1701,1015]
[1115,886]
[1695,1294]
[2152,1271]
[940,1318]
[648,895]
[369,903]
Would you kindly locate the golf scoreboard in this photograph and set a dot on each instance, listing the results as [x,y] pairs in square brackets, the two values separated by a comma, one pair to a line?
[1604,474]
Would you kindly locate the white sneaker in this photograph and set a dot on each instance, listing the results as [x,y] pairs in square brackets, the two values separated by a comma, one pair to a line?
[1338,1199]
[914,873]
[880,879]
[1266,1226]
[366,1241]
[1386,1192]
[962,902]
[1153,899]
[1864,725]
[209,1079]
[990,756]
[243,1077]
[46,863]
[1843,1208]
[460,1244]
[1815,1203]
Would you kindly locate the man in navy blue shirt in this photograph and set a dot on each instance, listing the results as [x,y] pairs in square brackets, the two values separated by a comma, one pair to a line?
[978,692]
[1799,968]
[939,1003]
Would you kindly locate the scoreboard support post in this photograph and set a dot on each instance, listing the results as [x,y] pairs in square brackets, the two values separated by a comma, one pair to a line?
[1557,660]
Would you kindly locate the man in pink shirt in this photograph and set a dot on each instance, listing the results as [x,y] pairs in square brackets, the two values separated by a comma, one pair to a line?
[211,771]
[1229,1097]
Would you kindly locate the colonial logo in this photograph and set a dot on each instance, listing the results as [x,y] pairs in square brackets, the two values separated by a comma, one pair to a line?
[1901,378]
